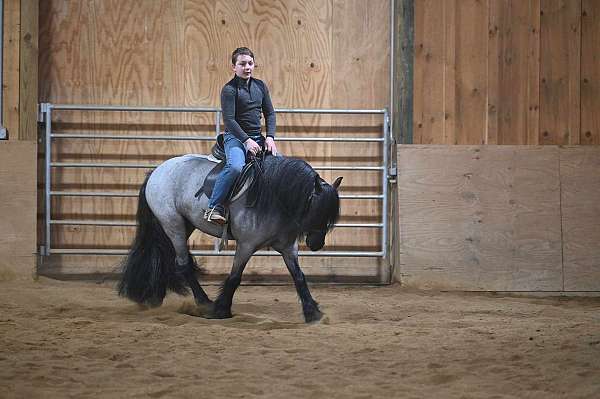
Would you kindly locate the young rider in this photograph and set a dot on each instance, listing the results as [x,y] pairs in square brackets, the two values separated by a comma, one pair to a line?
[243,99]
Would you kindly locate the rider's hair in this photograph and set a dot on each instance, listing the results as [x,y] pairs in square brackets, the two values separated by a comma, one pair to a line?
[240,51]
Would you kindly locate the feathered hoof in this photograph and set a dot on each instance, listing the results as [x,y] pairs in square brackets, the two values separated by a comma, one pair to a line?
[205,310]
[313,317]
[215,313]
[218,315]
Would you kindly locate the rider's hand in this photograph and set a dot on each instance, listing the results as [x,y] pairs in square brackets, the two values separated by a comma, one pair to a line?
[252,146]
[271,147]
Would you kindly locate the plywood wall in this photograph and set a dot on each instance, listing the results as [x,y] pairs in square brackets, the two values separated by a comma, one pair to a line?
[17,209]
[312,54]
[580,191]
[506,72]
[499,218]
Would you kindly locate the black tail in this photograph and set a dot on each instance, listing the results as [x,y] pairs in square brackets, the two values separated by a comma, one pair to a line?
[149,269]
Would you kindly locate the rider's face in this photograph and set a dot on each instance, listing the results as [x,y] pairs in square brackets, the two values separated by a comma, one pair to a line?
[244,66]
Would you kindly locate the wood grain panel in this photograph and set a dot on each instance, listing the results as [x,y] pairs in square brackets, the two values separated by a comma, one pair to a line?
[28,75]
[580,191]
[428,114]
[533,87]
[11,67]
[450,72]
[499,32]
[480,217]
[449,95]
[164,52]
[403,66]
[18,197]
[590,72]
[560,59]
[360,41]
[511,100]
[471,71]
[513,72]
[106,53]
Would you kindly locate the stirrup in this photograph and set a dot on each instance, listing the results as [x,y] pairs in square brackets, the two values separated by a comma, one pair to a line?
[214,216]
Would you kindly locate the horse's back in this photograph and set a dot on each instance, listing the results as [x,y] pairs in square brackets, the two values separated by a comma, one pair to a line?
[174,183]
[187,160]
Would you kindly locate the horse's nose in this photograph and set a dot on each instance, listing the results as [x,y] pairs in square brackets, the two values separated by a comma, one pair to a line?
[314,244]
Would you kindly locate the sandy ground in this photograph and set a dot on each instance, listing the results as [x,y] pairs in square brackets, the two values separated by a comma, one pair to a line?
[73,339]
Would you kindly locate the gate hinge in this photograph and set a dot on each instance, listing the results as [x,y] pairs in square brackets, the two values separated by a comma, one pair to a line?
[43,108]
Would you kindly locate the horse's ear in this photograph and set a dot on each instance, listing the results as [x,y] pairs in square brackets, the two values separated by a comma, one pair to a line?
[318,187]
[337,182]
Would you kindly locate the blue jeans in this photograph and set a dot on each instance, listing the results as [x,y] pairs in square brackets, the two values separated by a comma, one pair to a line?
[236,159]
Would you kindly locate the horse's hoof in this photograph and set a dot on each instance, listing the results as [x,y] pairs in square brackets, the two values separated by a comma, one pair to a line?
[219,314]
[313,317]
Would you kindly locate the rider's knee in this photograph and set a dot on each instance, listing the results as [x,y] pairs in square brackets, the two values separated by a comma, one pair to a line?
[236,169]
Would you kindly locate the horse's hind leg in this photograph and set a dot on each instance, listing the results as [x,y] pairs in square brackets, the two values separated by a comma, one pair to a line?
[188,270]
[310,307]
[179,231]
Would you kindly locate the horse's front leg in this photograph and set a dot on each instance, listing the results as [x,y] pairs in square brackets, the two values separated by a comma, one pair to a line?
[310,307]
[222,305]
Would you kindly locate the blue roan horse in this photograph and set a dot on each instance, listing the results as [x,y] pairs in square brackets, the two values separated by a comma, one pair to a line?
[289,202]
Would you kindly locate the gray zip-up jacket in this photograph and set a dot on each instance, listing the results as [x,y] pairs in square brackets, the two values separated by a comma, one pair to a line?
[242,105]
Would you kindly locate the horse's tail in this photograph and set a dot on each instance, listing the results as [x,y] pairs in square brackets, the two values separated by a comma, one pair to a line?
[149,269]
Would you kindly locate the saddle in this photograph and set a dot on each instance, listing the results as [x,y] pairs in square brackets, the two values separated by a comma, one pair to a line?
[244,181]
[240,186]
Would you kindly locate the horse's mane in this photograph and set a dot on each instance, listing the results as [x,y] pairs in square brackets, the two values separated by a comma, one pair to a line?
[286,185]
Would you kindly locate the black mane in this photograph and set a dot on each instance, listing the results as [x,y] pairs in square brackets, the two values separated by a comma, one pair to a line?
[287,185]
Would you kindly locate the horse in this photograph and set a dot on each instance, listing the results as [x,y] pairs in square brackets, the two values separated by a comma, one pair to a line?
[288,202]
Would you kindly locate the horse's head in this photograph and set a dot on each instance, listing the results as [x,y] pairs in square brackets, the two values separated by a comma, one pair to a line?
[323,212]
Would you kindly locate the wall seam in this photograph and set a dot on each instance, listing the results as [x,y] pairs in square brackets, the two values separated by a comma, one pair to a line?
[560,212]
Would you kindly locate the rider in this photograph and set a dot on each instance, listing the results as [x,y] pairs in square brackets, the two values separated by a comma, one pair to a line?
[243,99]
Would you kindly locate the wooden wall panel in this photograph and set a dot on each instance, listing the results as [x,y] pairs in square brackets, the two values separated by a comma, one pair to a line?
[590,72]
[480,218]
[450,72]
[428,72]
[28,70]
[509,218]
[560,60]
[361,39]
[312,54]
[470,60]
[580,192]
[513,51]
[450,112]
[533,83]
[11,67]
[515,72]
[403,67]
[360,36]
[18,208]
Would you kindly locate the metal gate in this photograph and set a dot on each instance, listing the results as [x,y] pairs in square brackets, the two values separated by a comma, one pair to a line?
[46,112]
